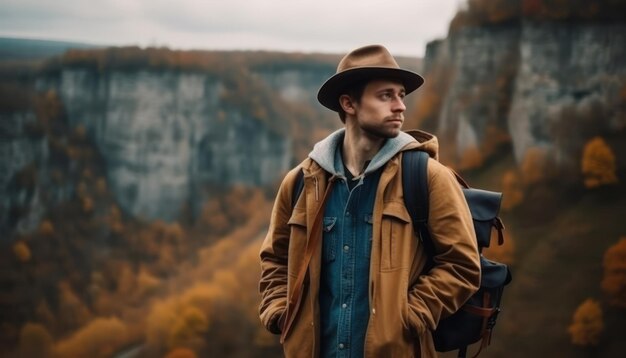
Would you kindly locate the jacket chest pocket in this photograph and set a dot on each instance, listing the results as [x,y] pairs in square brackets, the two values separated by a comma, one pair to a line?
[396,238]
[329,239]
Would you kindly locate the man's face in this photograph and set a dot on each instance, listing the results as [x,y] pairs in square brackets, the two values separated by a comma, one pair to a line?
[380,113]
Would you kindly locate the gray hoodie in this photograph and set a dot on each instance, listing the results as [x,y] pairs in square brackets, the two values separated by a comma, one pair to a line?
[327,155]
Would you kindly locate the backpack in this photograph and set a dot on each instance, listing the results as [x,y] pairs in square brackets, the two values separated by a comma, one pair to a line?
[476,318]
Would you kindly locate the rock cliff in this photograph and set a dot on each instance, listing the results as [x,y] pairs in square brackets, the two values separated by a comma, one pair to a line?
[535,84]
[164,135]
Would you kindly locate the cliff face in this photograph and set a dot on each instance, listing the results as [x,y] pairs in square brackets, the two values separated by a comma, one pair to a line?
[165,135]
[568,87]
[542,85]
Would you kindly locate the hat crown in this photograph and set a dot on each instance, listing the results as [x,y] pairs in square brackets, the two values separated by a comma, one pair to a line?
[368,56]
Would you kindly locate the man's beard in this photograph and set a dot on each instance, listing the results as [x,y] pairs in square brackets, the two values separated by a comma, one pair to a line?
[380,130]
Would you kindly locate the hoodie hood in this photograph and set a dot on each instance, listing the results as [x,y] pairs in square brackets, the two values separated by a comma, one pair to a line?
[326,152]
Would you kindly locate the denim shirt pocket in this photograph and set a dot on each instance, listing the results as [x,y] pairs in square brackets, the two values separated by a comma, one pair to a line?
[329,239]
[366,250]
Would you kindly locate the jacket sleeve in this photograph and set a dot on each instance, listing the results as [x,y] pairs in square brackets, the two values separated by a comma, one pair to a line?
[273,255]
[455,275]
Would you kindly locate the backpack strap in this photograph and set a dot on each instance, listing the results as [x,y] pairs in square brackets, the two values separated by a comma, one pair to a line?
[415,188]
[416,198]
[297,189]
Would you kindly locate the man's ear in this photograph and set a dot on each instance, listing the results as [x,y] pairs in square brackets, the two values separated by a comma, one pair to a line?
[347,104]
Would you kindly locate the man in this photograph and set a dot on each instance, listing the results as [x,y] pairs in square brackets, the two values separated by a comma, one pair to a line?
[342,271]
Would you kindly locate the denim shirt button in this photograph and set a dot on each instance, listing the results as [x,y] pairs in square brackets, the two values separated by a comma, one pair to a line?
[346,248]
[344,305]
[341,346]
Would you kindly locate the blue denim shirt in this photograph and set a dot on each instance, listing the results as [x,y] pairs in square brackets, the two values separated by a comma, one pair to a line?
[344,282]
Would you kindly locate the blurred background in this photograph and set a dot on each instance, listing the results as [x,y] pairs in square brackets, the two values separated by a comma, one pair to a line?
[142,144]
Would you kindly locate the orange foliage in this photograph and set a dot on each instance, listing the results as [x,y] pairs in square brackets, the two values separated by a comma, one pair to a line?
[100,338]
[87,204]
[614,280]
[587,324]
[21,251]
[428,105]
[181,353]
[167,328]
[471,158]
[126,280]
[504,253]
[534,165]
[598,164]
[512,192]
[35,341]
[46,228]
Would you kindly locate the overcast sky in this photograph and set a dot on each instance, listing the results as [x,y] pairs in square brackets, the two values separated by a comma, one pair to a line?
[336,26]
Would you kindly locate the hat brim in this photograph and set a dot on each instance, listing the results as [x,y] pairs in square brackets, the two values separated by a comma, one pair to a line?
[335,86]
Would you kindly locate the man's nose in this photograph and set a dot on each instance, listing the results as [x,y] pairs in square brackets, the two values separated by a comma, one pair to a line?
[398,105]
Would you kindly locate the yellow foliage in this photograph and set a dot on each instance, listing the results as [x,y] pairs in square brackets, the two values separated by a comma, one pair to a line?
[126,280]
[614,280]
[35,341]
[534,165]
[512,193]
[167,326]
[100,338]
[188,328]
[21,251]
[587,324]
[181,353]
[598,164]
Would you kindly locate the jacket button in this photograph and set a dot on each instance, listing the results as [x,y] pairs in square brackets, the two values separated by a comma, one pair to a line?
[373,310]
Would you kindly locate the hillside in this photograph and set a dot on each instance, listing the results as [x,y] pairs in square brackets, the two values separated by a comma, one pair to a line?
[559,244]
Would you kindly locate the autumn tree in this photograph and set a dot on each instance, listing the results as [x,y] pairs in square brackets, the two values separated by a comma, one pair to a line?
[614,280]
[598,164]
[35,341]
[534,165]
[512,190]
[99,338]
[587,324]
[21,251]
[504,253]
[181,353]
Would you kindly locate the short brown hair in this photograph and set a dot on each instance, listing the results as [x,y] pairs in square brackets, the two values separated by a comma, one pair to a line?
[355,92]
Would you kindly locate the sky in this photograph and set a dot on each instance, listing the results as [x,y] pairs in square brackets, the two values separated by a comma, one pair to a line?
[330,26]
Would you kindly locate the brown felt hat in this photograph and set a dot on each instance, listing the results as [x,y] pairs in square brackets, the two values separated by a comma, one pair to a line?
[369,62]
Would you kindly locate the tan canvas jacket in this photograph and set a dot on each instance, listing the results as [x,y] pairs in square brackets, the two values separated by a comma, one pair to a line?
[405,303]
